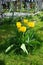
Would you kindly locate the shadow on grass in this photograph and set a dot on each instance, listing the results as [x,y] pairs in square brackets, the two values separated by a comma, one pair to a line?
[5,45]
[41,18]
[41,29]
[2,62]
[2,47]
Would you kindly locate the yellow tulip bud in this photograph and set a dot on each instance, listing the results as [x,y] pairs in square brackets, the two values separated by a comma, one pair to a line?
[31,24]
[22,29]
[25,21]
[18,24]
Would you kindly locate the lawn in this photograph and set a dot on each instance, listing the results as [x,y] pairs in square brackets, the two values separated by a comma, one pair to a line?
[34,58]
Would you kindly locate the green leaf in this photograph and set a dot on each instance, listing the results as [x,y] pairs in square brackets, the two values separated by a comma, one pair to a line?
[8,48]
[23,47]
[27,41]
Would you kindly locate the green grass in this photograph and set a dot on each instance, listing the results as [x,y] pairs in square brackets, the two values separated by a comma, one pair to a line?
[34,58]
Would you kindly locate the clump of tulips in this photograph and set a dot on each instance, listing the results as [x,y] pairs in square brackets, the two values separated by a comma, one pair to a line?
[24,34]
[25,30]
[22,28]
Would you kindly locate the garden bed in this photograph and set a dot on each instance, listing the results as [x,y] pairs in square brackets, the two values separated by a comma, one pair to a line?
[7,33]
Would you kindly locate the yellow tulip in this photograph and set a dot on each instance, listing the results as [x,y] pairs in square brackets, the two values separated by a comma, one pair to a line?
[22,29]
[18,24]
[31,24]
[25,21]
